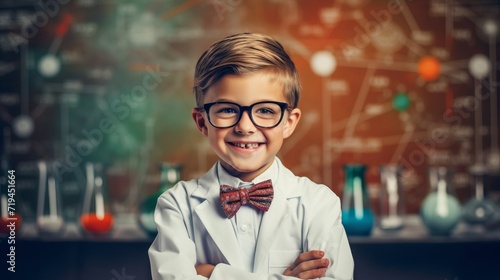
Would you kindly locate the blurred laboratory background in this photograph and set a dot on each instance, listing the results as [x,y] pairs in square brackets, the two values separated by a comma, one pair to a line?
[400,119]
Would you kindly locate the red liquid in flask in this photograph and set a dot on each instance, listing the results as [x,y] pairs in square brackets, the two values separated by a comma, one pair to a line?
[6,221]
[99,224]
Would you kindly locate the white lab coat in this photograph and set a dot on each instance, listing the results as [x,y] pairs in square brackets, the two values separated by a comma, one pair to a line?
[192,229]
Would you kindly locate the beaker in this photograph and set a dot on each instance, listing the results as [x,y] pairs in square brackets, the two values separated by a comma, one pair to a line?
[49,216]
[391,198]
[170,174]
[357,215]
[96,217]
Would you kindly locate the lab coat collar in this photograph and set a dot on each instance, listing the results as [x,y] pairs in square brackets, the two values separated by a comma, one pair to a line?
[212,217]
[272,221]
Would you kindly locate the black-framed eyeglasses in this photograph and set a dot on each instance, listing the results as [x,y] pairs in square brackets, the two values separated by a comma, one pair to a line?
[264,114]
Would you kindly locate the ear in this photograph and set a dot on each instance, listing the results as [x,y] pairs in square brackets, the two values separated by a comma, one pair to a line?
[291,121]
[199,120]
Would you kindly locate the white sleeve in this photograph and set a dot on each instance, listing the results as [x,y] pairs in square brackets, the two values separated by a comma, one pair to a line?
[172,254]
[326,232]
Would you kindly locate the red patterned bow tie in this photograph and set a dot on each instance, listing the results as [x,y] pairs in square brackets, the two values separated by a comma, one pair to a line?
[259,195]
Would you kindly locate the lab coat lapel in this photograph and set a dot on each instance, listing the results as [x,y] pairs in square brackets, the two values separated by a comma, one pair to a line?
[272,221]
[214,220]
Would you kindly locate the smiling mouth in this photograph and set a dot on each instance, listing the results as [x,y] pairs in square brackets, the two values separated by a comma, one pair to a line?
[245,145]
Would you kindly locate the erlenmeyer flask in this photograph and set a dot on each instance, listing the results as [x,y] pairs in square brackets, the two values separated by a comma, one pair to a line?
[440,211]
[49,216]
[357,216]
[391,198]
[170,174]
[96,217]
[478,210]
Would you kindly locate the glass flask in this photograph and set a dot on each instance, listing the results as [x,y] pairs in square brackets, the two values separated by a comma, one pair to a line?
[96,217]
[170,174]
[440,211]
[357,216]
[391,198]
[49,216]
[121,188]
[478,210]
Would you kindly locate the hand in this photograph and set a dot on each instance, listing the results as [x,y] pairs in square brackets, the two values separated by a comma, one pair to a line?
[308,265]
[205,270]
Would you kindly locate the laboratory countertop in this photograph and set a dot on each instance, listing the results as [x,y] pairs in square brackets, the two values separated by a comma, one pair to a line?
[126,229]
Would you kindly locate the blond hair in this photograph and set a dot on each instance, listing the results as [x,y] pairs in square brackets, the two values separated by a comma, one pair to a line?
[242,54]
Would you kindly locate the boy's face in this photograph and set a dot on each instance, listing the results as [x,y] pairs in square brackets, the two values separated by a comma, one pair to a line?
[246,162]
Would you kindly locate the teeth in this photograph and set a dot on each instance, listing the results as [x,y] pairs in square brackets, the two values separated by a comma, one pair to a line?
[247,146]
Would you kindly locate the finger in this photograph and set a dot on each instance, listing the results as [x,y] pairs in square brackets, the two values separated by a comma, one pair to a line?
[310,265]
[307,256]
[312,274]
[308,268]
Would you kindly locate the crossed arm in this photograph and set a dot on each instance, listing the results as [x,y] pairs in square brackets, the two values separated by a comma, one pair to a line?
[308,265]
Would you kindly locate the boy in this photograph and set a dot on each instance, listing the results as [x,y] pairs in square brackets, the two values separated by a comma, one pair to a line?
[248,217]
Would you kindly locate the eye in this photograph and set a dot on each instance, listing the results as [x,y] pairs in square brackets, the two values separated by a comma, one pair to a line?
[265,111]
[226,110]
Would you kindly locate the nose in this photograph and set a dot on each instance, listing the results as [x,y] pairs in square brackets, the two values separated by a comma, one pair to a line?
[245,125]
